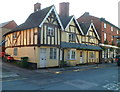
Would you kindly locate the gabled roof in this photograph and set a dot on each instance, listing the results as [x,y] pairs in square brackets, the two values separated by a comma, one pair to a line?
[66,20]
[86,26]
[37,19]
[5,23]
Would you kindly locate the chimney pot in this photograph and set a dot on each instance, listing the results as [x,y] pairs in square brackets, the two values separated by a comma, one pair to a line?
[37,7]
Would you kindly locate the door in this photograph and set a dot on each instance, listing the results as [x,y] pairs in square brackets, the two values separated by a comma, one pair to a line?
[81,57]
[43,57]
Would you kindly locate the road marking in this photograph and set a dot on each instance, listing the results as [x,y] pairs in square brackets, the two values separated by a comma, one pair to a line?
[112,86]
[13,79]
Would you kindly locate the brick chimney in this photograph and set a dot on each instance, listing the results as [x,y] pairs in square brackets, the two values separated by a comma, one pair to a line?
[86,13]
[64,9]
[37,7]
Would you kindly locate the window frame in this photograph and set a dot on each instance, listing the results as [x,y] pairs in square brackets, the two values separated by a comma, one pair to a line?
[112,29]
[50,31]
[105,25]
[53,53]
[72,37]
[14,35]
[15,51]
[71,54]
[105,36]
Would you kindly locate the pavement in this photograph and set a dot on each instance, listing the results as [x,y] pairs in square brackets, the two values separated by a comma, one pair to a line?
[74,68]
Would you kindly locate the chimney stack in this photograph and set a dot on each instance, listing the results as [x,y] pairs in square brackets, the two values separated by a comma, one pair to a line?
[64,9]
[37,7]
[86,13]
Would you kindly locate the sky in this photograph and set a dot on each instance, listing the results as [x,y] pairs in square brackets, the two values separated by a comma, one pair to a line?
[19,10]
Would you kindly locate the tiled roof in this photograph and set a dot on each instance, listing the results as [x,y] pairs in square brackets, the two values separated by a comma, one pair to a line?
[65,20]
[79,46]
[84,26]
[33,20]
[5,23]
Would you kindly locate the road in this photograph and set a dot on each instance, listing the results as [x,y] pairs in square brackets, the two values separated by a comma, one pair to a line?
[103,77]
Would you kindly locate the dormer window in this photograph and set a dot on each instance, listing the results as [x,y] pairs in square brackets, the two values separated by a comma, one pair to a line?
[72,37]
[50,31]
[14,35]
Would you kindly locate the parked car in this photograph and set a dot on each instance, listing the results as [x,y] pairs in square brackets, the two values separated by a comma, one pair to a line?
[2,54]
[117,59]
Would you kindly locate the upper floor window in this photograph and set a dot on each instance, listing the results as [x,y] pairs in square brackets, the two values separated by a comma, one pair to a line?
[14,35]
[111,28]
[72,37]
[105,36]
[50,31]
[105,25]
[117,31]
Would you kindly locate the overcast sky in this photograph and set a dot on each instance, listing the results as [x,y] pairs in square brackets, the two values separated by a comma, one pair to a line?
[19,10]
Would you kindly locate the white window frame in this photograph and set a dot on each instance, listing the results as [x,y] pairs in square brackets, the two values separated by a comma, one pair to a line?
[111,28]
[105,36]
[72,37]
[71,53]
[50,31]
[53,53]
[105,25]
[117,31]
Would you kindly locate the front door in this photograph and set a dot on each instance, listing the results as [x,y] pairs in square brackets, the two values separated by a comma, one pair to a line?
[81,57]
[43,57]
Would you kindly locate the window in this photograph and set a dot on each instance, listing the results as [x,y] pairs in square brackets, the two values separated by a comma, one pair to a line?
[105,36]
[105,25]
[117,31]
[111,28]
[14,35]
[72,37]
[92,55]
[50,31]
[15,51]
[53,53]
[72,54]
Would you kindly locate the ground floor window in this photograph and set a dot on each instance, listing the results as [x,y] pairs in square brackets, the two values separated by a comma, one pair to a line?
[15,51]
[71,54]
[53,53]
[92,55]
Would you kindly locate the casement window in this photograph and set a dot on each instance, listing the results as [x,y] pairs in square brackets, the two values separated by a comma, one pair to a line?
[53,53]
[105,36]
[14,35]
[72,37]
[71,55]
[111,28]
[15,51]
[105,25]
[50,31]
[91,54]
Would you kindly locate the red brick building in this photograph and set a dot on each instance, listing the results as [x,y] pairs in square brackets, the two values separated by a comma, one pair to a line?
[6,27]
[107,32]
